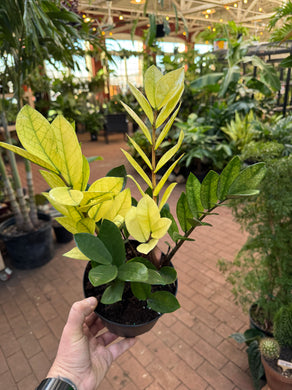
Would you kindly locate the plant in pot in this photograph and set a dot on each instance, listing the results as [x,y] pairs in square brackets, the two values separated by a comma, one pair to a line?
[37,31]
[261,272]
[117,235]
[276,353]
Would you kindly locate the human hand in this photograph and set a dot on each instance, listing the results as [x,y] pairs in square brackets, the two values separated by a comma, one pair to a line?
[83,357]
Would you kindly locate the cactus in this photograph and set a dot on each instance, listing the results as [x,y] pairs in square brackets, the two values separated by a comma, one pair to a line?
[283,325]
[270,348]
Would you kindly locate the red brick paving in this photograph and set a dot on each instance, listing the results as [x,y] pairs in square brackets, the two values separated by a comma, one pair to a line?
[187,350]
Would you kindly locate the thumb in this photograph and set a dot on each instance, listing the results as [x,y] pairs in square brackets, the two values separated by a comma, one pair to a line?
[79,311]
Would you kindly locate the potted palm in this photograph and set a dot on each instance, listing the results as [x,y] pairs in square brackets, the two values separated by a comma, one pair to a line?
[119,235]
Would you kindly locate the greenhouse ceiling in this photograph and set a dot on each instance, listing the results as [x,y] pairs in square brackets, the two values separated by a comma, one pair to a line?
[193,16]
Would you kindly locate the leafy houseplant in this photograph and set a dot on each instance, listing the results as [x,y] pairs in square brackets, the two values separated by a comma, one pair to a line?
[104,218]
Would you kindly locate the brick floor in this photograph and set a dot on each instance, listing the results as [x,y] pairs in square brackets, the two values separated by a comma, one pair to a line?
[187,350]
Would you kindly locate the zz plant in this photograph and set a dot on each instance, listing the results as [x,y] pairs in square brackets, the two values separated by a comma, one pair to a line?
[103,216]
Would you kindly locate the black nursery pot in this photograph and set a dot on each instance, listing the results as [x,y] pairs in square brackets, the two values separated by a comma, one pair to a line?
[29,250]
[62,234]
[116,325]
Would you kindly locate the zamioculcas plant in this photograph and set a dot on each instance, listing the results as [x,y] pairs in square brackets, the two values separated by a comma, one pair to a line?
[103,216]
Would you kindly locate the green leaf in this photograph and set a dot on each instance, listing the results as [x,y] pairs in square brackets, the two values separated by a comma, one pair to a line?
[193,194]
[102,274]
[93,248]
[177,236]
[206,80]
[110,235]
[141,290]
[286,62]
[133,272]
[151,77]
[163,302]
[209,190]
[183,212]
[168,274]
[228,175]
[248,180]
[144,261]
[154,277]
[142,101]
[232,75]
[165,212]
[113,293]
[119,171]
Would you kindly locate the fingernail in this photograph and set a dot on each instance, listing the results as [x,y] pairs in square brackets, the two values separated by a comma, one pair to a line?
[92,301]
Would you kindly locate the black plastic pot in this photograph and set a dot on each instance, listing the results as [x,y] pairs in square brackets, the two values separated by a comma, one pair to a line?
[255,325]
[62,234]
[29,250]
[122,330]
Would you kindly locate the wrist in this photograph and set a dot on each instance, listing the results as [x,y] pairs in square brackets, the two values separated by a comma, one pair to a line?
[59,373]
[56,383]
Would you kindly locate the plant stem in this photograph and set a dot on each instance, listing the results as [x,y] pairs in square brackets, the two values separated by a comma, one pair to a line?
[33,208]
[168,258]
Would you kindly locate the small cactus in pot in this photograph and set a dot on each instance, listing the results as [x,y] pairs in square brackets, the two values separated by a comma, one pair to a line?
[270,348]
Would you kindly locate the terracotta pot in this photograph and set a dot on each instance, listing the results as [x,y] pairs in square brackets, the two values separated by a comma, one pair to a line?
[275,380]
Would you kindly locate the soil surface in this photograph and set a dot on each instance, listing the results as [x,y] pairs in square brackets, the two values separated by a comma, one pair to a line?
[259,320]
[128,311]
[13,231]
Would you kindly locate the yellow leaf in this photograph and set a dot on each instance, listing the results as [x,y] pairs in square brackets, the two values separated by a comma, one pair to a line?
[107,184]
[66,196]
[146,248]
[137,167]
[23,153]
[139,121]
[59,207]
[66,153]
[91,198]
[35,134]
[52,179]
[85,174]
[134,228]
[166,195]
[98,211]
[142,101]
[169,107]
[121,204]
[170,153]
[140,151]
[68,223]
[160,228]
[166,128]
[168,86]
[151,78]
[86,225]
[75,253]
[137,184]
[162,181]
